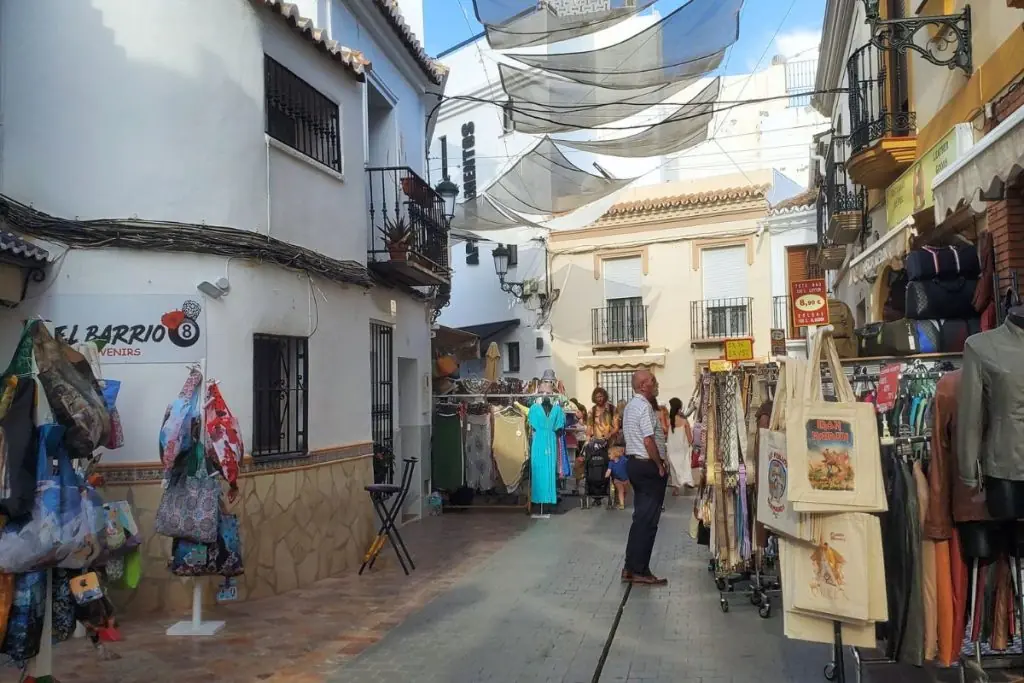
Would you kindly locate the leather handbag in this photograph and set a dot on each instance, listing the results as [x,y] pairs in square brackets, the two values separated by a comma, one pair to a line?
[926,334]
[941,299]
[951,262]
[953,333]
[190,508]
[896,338]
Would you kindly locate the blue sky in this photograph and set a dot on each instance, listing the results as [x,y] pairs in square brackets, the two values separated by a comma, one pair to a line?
[446,25]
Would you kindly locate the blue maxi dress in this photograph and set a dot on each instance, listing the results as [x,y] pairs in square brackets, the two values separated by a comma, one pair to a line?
[544,451]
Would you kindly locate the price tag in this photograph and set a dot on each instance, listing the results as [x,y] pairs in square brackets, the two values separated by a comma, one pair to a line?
[228,591]
[888,387]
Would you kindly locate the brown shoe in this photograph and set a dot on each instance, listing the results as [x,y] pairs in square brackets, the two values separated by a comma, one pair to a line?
[627,577]
[649,580]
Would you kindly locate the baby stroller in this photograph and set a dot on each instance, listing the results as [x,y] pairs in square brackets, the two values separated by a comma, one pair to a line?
[597,487]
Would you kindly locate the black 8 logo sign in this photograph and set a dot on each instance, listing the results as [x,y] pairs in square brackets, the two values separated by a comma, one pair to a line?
[186,334]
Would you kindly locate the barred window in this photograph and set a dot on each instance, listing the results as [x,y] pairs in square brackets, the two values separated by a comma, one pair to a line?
[280,368]
[618,384]
[300,116]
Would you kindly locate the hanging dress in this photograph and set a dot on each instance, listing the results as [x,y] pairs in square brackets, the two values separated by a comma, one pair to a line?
[544,451]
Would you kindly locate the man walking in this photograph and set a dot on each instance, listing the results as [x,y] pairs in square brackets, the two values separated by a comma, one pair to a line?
[646,450]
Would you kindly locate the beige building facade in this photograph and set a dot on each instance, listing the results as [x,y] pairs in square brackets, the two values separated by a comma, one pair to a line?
[663,280]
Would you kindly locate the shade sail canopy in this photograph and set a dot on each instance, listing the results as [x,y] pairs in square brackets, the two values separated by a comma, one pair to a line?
[521,23]
[542,103]
[544,182]
[687,127]
[690,41]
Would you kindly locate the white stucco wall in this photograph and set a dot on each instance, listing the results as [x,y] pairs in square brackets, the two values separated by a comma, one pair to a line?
[118,109]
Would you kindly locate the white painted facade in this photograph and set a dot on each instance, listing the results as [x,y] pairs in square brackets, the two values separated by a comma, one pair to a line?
[749,138]
[788,228]
[155,110]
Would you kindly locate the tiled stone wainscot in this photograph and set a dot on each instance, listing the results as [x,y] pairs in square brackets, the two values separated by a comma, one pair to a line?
[300,523]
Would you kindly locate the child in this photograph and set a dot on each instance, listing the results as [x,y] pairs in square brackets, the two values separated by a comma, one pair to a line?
[617,473]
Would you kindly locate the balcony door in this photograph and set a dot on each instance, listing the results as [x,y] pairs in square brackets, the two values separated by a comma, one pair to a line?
[625,320]
[726,294]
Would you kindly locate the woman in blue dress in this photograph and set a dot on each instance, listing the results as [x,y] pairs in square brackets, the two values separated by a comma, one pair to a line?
[546,419]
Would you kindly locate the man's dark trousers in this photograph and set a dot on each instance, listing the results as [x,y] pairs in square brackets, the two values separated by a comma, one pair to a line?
[648,497]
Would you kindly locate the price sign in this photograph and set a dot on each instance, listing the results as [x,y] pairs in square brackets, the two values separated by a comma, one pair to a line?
[778,342]
[719,366]
[888,387]
[739,349]
[809,301]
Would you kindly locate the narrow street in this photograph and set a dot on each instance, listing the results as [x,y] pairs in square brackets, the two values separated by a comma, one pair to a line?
[496,598]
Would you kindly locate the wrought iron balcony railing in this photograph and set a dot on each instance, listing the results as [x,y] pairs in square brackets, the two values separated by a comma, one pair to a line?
[878,98]
[408,232]
[619,325]
[845,201]
[721,318]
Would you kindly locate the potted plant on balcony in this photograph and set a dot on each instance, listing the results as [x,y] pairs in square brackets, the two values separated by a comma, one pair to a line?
[397,235]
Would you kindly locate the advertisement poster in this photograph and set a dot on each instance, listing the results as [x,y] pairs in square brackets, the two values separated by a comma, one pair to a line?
[147,328]
[810,302]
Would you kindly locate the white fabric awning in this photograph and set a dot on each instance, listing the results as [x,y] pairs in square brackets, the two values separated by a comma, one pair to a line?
[893,244]
[993,161]
[622,361]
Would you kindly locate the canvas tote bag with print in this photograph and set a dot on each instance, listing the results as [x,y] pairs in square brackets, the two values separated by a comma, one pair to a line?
[834,459]
[831,574]
[773,507]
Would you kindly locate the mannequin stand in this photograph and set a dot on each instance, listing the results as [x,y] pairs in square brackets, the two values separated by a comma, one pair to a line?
[541,514]
[196,627]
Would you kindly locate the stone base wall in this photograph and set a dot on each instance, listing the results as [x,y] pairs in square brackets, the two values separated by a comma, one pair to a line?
[299,524]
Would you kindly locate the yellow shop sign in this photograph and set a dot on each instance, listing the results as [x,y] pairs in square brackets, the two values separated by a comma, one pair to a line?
[912,191]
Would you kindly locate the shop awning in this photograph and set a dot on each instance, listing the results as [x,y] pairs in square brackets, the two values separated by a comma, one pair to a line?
[488,331]
[993,161]
[624,361]
[891,245]
[463,345]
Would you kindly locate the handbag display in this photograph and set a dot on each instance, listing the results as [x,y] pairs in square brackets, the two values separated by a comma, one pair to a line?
[773,508]
[6,600]
[953,333]
[941,299]
[958,261]
[189,509]
[832,447]
[896,338]
[71,391]
[28,611]
[926,335]
[203,559]
[895,306]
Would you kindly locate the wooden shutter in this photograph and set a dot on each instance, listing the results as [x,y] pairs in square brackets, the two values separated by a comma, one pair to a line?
[796,264]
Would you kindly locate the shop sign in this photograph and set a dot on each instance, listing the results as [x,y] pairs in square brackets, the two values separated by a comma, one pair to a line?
[912,191]
[888,387]
[778,342]
[739,349]
[810,302]
[148,328]
[719,365]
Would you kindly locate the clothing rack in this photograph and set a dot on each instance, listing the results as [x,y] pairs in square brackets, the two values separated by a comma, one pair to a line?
[455,399]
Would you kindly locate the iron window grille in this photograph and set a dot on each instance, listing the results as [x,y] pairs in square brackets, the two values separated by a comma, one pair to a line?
[300,116]
[382,394]
[618,384]
[280,395]
[472,253]
[721,318]
[512,350]
[622,321]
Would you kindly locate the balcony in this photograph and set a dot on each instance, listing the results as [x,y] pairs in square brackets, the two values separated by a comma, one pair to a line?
[883,129]
[828,256]
[619,327]
[408,241]
[845,202]
[782,318]
[719,319]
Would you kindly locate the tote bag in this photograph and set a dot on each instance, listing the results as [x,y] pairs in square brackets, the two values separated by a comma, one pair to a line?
[831,574]
[773,507]
[833,450]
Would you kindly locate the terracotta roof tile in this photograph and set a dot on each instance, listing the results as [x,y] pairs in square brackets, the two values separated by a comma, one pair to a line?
[801,201]
[692,200]
[353,60]
[434,70]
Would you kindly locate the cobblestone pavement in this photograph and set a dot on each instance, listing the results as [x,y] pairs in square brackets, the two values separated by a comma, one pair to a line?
[540,611]
[300,636]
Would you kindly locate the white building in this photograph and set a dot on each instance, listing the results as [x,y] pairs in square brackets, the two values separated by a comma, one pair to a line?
[245,115]
[773,133]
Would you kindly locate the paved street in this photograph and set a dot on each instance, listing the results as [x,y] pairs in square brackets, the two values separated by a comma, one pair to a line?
[496,598]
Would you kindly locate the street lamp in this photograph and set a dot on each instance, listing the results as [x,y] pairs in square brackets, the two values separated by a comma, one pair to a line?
[500,255]
[448,191]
